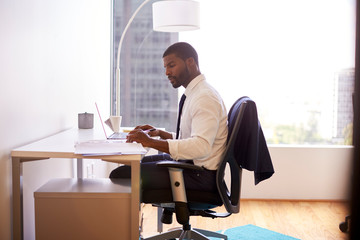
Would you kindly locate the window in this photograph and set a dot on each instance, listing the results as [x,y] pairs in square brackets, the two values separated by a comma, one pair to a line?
[295,59]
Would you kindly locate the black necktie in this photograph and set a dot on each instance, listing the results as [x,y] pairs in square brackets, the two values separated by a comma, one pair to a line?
[181,104]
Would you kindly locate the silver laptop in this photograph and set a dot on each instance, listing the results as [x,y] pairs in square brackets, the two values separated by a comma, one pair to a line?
[115,135]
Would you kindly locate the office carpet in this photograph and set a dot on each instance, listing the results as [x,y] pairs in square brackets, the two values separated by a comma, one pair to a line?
[251,232]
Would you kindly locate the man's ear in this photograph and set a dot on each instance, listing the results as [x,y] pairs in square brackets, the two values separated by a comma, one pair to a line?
[190,61]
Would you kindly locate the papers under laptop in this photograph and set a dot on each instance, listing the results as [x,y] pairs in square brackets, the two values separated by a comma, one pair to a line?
[106,147]
[114,135]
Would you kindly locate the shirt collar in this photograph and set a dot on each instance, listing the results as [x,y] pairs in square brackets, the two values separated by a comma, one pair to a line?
[193,83]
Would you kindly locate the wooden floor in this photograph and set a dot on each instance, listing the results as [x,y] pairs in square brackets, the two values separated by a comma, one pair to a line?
[306,220]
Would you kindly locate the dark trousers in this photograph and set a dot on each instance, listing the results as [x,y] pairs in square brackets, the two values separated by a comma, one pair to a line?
[155,177]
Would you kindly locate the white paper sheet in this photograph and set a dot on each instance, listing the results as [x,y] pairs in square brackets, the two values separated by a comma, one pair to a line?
[108,147]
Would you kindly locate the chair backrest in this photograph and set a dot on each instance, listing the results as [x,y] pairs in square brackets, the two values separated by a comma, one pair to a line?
[231,199]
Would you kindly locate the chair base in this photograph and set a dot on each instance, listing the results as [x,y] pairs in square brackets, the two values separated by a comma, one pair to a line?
[195,234]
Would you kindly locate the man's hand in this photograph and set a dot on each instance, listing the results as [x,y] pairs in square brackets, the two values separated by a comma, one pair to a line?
[143,134]
[140,136]
[150,130]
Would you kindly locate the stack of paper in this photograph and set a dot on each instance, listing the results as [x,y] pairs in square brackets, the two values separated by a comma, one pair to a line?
[107,147]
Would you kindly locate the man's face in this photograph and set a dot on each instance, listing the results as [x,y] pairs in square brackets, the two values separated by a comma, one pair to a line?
[176,70]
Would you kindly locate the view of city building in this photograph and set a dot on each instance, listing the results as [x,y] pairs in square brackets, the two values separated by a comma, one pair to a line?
[343,105]
[146,95]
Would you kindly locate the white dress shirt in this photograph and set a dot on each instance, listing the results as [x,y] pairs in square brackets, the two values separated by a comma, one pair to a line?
[203,126]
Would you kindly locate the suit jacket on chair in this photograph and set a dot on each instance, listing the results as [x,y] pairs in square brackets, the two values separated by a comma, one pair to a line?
[251,152]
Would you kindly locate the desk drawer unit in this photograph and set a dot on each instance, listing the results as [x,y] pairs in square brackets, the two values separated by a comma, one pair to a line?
[70,208]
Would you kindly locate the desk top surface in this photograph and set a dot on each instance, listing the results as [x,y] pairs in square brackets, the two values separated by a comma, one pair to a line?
[62,145]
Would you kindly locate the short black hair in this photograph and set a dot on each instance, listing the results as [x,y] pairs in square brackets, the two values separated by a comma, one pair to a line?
[182,50]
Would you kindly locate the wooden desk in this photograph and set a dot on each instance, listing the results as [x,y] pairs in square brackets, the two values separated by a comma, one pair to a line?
[61,145]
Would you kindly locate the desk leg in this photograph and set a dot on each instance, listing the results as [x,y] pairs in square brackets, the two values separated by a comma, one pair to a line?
[135,199]
[79,167]
[17,195]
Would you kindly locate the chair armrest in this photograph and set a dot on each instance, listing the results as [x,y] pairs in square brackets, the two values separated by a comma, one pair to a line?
[181,165]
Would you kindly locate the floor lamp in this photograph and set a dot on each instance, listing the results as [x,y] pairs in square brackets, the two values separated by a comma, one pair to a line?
[168,16]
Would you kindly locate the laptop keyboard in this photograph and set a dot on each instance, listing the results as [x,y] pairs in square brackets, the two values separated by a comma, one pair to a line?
[119,135]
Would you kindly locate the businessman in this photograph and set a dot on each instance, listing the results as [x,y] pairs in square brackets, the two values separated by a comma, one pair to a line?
[201,132]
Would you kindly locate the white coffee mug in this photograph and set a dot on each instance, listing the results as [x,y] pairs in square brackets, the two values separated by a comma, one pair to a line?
[115,123]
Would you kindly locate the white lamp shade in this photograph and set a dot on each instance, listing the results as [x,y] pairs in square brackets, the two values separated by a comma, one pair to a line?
[176,15]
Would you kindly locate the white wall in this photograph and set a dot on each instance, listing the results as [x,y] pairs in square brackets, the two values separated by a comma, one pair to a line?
[311,172]
[54,63]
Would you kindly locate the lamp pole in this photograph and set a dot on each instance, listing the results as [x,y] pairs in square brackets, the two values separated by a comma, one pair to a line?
[117,76]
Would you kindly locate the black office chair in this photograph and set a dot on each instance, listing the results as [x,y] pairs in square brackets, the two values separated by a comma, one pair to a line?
[186,203]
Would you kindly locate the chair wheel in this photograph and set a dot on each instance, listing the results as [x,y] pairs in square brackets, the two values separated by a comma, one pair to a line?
[343,226]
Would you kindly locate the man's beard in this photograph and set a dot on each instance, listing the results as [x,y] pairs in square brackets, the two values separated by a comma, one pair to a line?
[184,75]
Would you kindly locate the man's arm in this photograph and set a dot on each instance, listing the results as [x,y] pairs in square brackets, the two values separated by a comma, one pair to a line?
[158,144]
[163,134]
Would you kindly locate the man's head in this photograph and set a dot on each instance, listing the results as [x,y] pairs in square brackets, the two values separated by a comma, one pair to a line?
[181,64]
[182,50]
